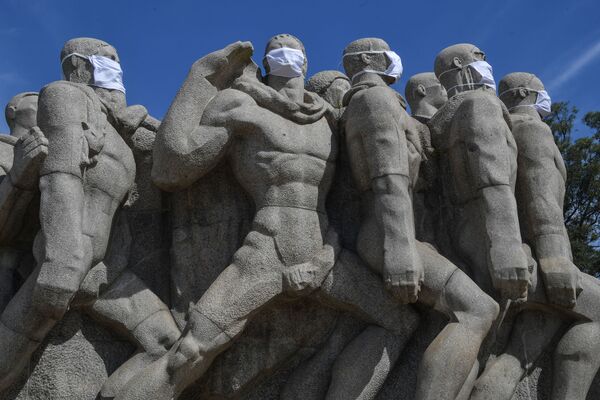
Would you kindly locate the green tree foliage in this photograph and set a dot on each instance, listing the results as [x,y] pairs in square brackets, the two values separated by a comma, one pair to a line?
[582,197]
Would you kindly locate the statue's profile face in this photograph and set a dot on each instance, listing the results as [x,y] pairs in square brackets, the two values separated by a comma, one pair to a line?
[436,94]
[26,114]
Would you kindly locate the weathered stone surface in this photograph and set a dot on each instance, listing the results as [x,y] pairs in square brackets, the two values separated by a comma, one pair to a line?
[265,240]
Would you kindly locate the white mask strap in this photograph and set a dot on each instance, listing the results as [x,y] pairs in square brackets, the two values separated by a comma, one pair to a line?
[394,70]
[107,72]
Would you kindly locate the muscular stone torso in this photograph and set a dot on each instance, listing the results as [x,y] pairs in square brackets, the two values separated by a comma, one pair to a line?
[287,169]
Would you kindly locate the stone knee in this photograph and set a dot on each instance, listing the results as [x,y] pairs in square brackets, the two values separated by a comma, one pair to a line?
[470,305]
[580,344]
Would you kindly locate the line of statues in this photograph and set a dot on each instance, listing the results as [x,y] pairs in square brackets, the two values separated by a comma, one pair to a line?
[318,200]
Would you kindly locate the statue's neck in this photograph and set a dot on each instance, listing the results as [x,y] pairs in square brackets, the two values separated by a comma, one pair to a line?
[292,88]
[423,109]
[525,109]
[368,77]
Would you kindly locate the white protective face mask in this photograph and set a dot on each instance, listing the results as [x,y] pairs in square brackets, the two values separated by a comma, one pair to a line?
[483,68]
[107,73]
[543,103]
[285,62]
[394,70]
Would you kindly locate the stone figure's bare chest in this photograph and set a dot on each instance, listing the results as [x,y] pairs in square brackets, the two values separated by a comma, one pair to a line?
[272,132]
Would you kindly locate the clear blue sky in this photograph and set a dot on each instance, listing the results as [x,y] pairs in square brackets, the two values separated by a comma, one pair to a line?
[158,40]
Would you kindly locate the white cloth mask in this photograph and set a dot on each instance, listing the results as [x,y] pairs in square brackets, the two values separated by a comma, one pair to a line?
[483,68]
[394,70]
[543,103]
[107,72]
[285,62]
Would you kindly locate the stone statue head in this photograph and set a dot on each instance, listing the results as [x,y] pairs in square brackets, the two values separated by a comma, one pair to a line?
[21,113]
[358,57]
[285,40]
[330,85]
[451,68]
[424,90]
[80,70]
[519,89]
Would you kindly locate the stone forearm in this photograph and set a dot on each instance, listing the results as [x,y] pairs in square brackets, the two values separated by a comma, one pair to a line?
[394,214]
[501,222]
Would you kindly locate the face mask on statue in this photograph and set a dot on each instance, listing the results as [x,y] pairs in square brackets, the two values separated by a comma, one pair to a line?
[285,62]
[483,68]
[394,70]
[543,103]
[107,73]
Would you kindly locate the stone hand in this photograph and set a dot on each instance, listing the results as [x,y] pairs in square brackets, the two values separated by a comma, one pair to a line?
[130,118]
[301,279]
[29,153]
[54,290]
[561,278]
[221,67]
[404,282]
[512,282]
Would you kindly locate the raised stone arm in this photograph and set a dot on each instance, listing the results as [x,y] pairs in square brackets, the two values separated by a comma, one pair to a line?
[66,250]
[385,144]
[20,184]
[540,192]
[185,149]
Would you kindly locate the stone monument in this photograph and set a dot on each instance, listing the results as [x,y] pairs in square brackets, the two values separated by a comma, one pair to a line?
[277,237]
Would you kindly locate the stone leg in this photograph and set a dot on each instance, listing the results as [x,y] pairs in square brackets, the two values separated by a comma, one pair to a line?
[577,356]
[532,332]
[378,350]
[450,358]
[310,380]
[576,361]
[353,287]
[22,329]
[9,262]
[129,307]
[238,293]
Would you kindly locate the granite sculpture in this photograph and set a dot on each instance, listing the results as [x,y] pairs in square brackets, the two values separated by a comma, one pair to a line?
[277,237]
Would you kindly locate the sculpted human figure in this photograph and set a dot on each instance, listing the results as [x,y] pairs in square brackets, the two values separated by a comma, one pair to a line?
[282,149]
[21,155]
[477,162]
[425,95]
[331,372]
[559,294]
[384,153]
[83,181]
